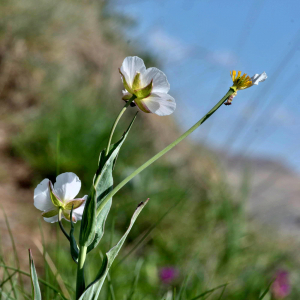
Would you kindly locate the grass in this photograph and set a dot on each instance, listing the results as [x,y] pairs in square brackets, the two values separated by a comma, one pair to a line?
[194,221]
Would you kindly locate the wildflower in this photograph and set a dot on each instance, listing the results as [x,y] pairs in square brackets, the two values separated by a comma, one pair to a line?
[244,82]
[50,199]
[168,274]
[281,286]
[149,86]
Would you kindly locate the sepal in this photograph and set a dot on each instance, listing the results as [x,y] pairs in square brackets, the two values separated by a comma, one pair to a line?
[127,87]
[50,213]
[55,199]
[144,92]
[74,203]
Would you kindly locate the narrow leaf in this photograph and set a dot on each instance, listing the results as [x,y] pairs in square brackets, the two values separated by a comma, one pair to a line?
[93,290]
[36,292]
[88,222]
[209,291]
[104,184]
[14,247]
[266,291]
[135,280]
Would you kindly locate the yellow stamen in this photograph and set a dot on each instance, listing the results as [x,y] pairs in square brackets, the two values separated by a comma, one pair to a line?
[240,82]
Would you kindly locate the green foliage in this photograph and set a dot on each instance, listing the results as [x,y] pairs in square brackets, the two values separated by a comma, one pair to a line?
[93,290]
[89,219]
[36,292]
[103,182]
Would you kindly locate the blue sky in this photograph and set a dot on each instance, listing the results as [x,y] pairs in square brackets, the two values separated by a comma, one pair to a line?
[199,42]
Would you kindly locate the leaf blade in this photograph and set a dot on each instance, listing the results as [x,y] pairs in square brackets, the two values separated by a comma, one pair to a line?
[104,184]
[93,290]
[36,292]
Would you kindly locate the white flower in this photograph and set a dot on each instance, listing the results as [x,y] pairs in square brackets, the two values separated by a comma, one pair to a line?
[257,78]
[150,86]
[50,199]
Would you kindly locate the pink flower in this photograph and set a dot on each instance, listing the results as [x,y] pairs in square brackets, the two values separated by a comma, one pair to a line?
[168,274]
[281,286]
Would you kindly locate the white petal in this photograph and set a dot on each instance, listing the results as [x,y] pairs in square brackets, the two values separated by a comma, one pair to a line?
[67,186]
[130,66]
[42,200]
[160,104]
[257,78]
[77,213]
[160,82]
[52,219]
[126,93]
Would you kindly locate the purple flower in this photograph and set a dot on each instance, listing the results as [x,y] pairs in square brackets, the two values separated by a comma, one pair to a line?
[168,274]
[281,286]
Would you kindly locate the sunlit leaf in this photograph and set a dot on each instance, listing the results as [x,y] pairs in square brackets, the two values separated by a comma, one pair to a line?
[93,290]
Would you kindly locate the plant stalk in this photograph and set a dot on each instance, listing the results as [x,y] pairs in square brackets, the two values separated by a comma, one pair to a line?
[116,122]
[162,152]
[61,225]
[80,284]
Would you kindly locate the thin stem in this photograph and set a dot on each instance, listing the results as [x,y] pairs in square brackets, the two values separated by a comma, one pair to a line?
[57,153]
[80,285]
[117,121]
[161,153]
[61,225]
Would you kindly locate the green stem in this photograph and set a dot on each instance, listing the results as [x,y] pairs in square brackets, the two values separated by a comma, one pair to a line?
[116,122]
[61,225]
[161,153]
[80,285]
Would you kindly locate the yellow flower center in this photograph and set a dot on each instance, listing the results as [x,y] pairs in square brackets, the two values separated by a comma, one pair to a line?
[240,82]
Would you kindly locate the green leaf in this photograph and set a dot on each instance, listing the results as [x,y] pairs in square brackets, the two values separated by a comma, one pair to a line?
[266,291]
[104,184]
[73,245]
[89,217]
[36,292]
[93,290]
[209,291]
[135,280]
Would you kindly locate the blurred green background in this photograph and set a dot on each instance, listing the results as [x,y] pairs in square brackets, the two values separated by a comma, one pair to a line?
[60,92]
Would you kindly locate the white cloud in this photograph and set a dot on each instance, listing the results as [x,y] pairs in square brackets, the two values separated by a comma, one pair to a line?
[172,49]
[168,46]
[223,58]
